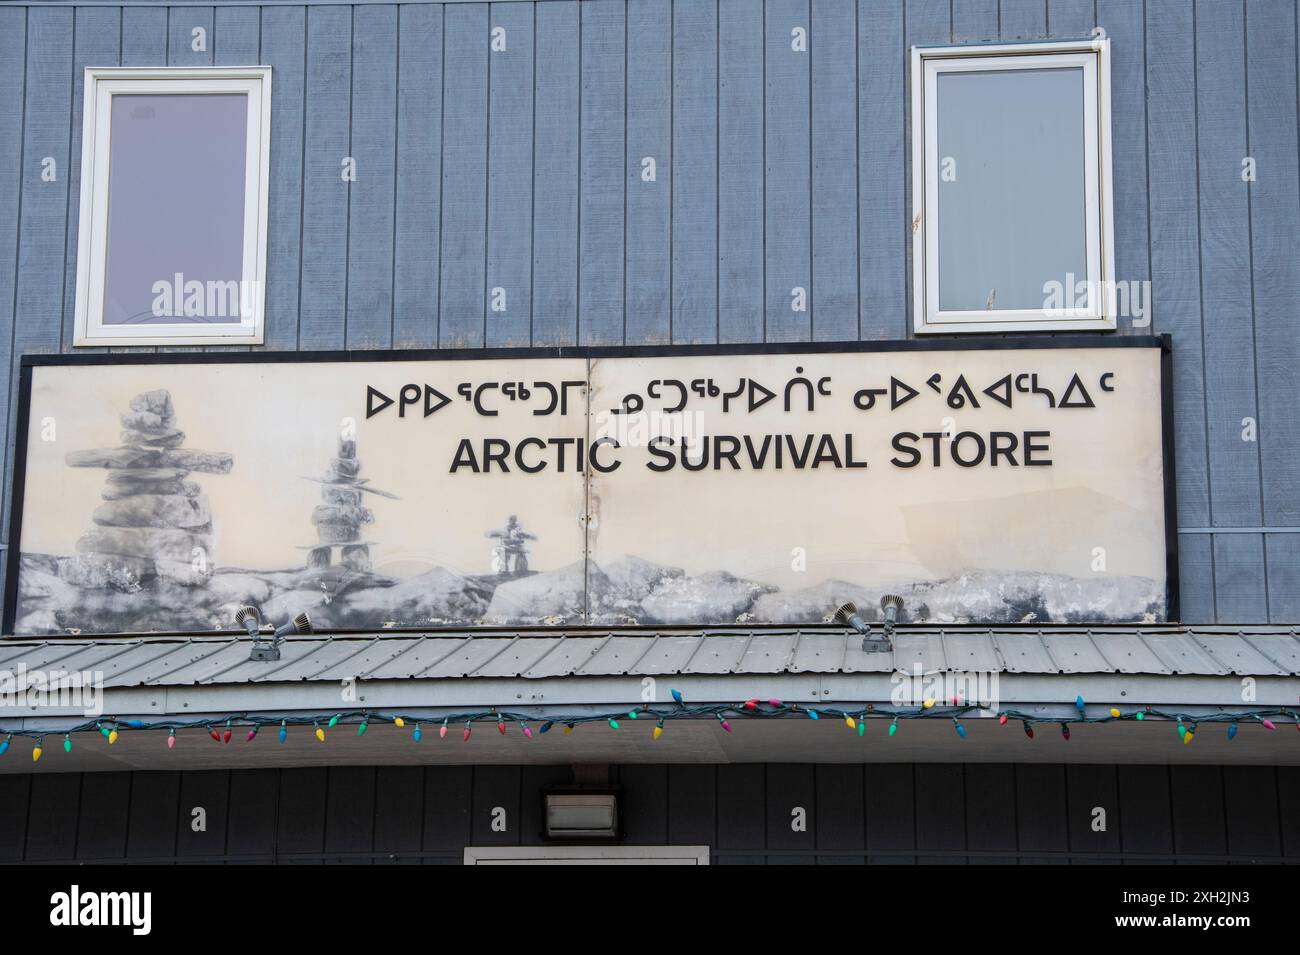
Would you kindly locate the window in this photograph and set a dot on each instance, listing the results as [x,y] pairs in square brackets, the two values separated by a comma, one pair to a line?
[172,242]
[1011,188]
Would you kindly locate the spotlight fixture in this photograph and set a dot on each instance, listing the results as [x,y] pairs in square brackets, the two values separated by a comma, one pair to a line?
[848,615]
[251,620]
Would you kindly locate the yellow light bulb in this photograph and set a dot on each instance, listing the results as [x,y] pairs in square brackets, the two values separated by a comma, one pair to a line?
[36,753]
[659,731]
[1114,712]
[1187,737]
[399,722]
[850,722]
[568,729]
[320,734]
[112,737]
[928,703]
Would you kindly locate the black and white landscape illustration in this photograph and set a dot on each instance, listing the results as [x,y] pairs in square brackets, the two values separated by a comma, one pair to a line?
[164,501]
[146,564]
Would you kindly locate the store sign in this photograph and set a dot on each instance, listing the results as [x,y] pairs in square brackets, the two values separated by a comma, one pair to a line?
[658,487]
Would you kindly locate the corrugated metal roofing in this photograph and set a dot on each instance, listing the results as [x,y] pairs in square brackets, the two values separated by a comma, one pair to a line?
[533,654]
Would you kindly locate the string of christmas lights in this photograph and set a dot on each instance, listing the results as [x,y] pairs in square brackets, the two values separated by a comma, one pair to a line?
[222,728]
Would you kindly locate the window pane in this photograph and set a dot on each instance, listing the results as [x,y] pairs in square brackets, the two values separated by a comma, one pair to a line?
[175,208]
[1011,201]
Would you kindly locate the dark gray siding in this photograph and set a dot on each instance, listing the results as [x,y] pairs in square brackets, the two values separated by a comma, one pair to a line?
[521,170]
[878,813]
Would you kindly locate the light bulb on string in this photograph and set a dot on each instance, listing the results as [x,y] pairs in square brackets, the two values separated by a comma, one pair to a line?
[1190,734]
[363,726]
[442,730]
[171,738]
[961,730]
[415,733]
[334,720]
[1114,713]
[225,737]
[1029,730]
[252,734]
[284,731]
[67,743]
[659,730]
[465,736]
[677,697]
[723,721]
[1232,731]
[399,722]
[212,731]
[1065,732]
[893,727]
[38,748]
[320,733]
[4,744]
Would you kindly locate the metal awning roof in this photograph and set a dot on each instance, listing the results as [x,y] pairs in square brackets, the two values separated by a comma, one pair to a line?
[177,661]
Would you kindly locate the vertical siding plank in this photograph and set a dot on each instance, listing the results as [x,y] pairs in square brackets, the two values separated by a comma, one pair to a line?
[285,49]
[742,790]
[791,786]
[1023,19]
[1175,278]
[1041,813]
[43,206]
[448,792]
[1275,255]
[976,20]
[1198,810]
[1240,592]
[1090,787]
[510,177]
[1067,19]
[496,788]
[1196,577]
[603,185]
[940,812]
[181,24]
[350,813]
[399,794]
[644,803]
[13,43]
[1254,833]
[1225,283]
[207,790]
[740,172]
[1282,553]
[464,176]
[323,280]
[251,832]
[787,197]
[419,176]
[926,22]
[837,818]
[1145,823]
[835,277]
[55,800]
[1226,263]
[236,36]
[144,36]
[1123,21]
[369,319]
[151,826]
[692,805]
[15,791]
[695,173]
[555,176]
[102,816]
[300,828]
[649,134]
[991,805]
[97,43]
[891,813]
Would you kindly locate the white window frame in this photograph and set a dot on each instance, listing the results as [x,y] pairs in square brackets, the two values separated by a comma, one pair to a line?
[101,84]
[927,63]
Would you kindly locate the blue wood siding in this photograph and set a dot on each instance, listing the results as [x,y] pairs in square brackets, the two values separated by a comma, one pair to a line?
[499,198]
[898,813]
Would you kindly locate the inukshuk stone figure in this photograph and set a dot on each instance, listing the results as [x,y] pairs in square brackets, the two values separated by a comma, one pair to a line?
[340,517]
[153,524]
[510,556]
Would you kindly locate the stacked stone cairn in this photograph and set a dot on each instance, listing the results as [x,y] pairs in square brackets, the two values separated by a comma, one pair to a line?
[341,515]
[154,524]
